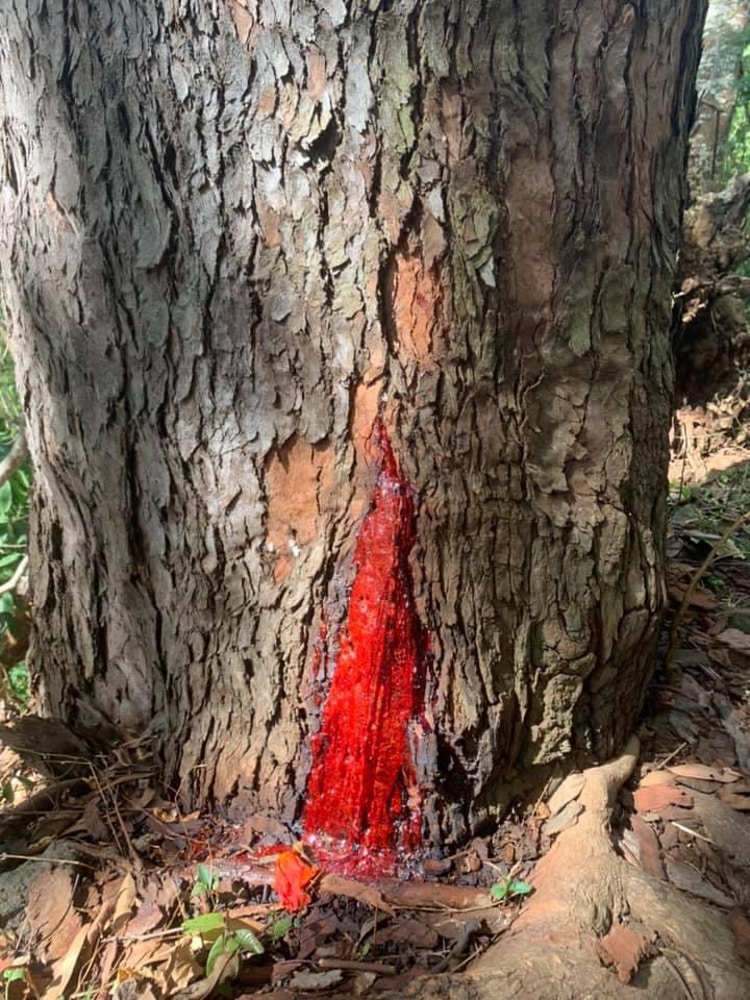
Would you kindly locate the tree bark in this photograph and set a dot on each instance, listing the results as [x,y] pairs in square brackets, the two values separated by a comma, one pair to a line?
[234,237]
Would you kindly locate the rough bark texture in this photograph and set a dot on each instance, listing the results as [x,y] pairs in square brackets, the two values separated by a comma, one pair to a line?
[713,343]
[232,233]
[717,84]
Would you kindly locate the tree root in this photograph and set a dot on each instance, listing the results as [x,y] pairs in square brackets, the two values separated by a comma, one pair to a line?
[598,928]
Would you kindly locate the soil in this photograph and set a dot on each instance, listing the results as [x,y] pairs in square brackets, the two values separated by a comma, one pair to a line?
[630,879]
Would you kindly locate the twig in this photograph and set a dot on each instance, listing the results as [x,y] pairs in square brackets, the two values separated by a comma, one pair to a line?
[15,457]
[104,793]
[349,965]
[43,859]
[693,833]
[671,756]
[695,580]
[13,582]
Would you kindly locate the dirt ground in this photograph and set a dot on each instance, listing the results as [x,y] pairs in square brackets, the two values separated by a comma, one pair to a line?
[631,879]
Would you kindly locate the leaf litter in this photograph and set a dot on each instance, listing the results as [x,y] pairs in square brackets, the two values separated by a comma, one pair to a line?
[125,897]
[144,902]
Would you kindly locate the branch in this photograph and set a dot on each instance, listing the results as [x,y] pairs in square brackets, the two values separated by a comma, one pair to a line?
[13,582]
[18,452]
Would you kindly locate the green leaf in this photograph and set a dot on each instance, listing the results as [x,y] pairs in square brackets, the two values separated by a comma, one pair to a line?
[281,927]
[510,888]
[204,924]
[247,940]
[12,975]
[218,948]
[6,498]
[205,881]
[518,888]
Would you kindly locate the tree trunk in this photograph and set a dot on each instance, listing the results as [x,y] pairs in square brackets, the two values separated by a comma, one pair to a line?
[269,266]
[718,83]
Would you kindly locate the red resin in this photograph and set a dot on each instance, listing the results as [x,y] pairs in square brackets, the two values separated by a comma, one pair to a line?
[362,809]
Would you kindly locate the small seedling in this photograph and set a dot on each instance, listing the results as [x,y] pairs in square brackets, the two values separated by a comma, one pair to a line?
[12,975]
[221,937]
[206,882]
[510,888]
[281,927]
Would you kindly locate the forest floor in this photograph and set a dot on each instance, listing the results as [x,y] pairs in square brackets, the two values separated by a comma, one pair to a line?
[628,879]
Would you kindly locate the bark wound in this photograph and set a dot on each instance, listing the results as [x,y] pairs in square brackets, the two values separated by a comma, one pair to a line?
[299,480]
[363,803]
[417,310]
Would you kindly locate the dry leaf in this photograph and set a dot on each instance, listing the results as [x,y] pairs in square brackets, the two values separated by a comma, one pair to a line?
[656,778]
[64,970]
[570,789]
[181,968]
[227,967]
[50,914]
[739,802]
[704,600]
[337,885]
[704,773]
[656,798]
[736,639]
[624,949]
[126,897]
[316,980]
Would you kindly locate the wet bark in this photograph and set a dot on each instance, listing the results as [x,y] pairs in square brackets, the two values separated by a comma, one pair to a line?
[234,234]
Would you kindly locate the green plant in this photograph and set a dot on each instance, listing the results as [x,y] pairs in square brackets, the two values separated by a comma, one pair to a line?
[222,936]
[510,888]
[281,926]
[206,882]
[14,517]
[14,974]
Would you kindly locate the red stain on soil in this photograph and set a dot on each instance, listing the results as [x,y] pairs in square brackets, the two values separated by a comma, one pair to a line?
[362,813]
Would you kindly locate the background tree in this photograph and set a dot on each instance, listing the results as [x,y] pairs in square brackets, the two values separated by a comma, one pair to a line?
[721,114]
[711,347]
[247,250]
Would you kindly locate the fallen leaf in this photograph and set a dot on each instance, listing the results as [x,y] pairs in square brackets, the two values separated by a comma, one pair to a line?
[647,846]
[126,896]
[624,949]
[291,875]
[181,967]
[656,778]
[411,931]
[50,914]
[656,797]
[570,789]
[226,967]
[704,600]
[736,639]
[741,803]
[316,980]
[64,969]
[686,877]
[704,773]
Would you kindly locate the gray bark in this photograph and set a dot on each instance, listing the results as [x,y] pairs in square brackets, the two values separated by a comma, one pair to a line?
[230,234]
[717,83]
